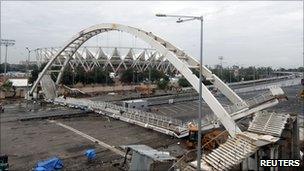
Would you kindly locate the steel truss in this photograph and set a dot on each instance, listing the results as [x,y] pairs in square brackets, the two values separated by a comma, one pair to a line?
[115,62]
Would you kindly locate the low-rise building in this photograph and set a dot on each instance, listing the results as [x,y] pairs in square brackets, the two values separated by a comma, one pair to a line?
[18,88]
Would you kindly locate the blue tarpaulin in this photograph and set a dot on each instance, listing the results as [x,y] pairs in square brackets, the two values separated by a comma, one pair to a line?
[91,154]
[50,164]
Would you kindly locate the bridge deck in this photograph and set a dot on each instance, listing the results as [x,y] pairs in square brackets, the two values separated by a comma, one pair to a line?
[163,124]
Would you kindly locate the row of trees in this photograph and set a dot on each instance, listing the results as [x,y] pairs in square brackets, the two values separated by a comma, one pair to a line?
[15,67]
[77,75]
[101,76]
[217,70]
[132,75]
[152,75]
[236,73]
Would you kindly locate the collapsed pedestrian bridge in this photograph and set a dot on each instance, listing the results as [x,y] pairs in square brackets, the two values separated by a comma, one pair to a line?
[184,64]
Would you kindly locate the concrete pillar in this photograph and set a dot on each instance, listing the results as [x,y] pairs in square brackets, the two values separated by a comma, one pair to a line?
[274,155]
[259,155]
[250,163]
[245,164]
[295,150]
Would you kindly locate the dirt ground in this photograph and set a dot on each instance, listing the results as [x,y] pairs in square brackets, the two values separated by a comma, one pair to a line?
[27,142]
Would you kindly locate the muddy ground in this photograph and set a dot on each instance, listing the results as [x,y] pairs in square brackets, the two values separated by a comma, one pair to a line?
[27,142]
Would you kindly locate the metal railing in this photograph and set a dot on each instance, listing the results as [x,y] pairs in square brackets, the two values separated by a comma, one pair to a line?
[116,111]
[283,83]
[251,102]
[259,99]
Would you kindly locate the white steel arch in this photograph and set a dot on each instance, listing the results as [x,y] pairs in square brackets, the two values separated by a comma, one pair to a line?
[180,60]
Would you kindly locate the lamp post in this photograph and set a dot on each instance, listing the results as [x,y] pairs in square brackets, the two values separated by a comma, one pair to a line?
[230,70]
[28,60]
[27,73]
[221,63]
[182,18]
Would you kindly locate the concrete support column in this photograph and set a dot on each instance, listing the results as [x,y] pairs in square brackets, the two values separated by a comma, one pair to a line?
[274,155]
[259,155]
[245,165]
[250,163]
[255,162]
[295,150]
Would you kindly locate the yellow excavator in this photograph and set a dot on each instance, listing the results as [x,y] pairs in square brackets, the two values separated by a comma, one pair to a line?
[210,140]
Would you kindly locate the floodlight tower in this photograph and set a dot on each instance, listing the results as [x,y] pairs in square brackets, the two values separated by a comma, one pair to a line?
[6,43]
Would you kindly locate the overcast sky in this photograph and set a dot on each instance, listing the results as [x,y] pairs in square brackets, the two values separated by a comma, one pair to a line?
[244,33]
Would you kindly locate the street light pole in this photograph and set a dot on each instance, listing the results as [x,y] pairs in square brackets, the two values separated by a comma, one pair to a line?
[230,74]
[182,18]
[5,60]
[199,154]
[221,59]
[28,75]
[28,59]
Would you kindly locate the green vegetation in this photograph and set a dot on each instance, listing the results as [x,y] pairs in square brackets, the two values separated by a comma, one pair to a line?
[183,82]
[163,83]
[158,77]
[236,73]
[7,86]
[132,75]
[35,71]
[79,75]
[128,76]
[15,67]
